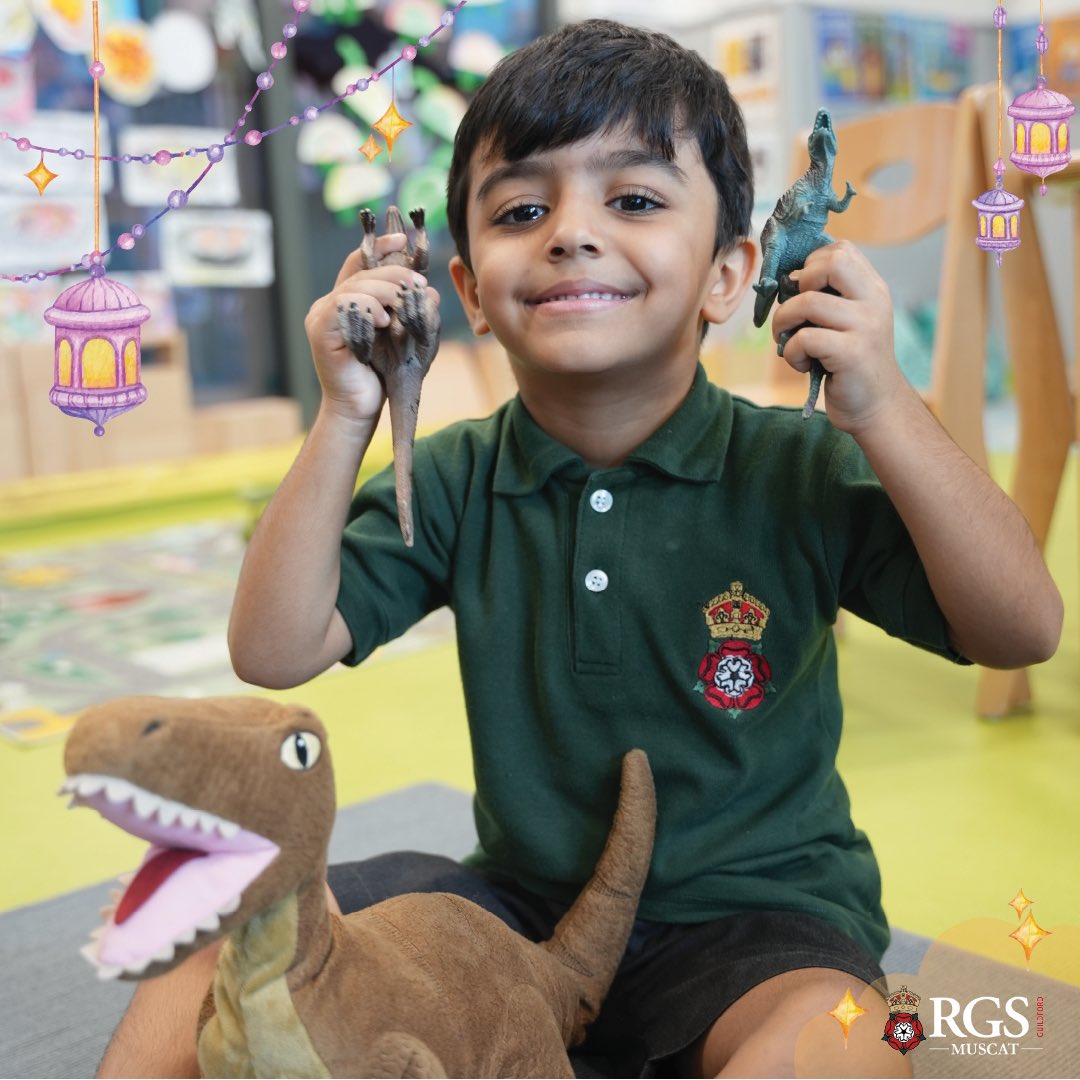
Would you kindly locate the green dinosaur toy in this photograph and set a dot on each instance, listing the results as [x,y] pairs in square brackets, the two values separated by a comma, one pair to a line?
[795,229]
[236,797]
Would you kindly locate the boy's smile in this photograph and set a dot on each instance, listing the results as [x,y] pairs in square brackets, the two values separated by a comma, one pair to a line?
[595,257]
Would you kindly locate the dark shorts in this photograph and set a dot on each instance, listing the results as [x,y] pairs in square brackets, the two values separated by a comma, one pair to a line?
[675,978]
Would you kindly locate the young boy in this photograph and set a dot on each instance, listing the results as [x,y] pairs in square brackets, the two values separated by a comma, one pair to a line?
[635,558]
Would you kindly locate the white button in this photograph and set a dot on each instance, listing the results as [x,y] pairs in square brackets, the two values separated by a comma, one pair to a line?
[596,581]
[601,500]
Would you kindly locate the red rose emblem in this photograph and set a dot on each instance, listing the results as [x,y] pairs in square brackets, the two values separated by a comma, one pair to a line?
[903,1032]
[734,677]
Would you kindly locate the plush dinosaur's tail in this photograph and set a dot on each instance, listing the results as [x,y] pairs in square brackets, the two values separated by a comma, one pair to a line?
[591,937]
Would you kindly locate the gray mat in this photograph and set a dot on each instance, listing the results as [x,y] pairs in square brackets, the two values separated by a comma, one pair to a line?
[57,1016]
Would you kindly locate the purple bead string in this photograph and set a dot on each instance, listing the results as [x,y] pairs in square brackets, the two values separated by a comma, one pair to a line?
[216,152]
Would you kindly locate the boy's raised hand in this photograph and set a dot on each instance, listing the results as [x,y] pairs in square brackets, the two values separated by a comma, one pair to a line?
[351,389]
[852,335]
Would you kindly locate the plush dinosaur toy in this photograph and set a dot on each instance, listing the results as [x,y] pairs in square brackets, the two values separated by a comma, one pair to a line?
[401,353]
[795,228]
[236,798]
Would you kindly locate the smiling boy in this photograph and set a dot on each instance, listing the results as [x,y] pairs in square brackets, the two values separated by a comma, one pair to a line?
[636,558]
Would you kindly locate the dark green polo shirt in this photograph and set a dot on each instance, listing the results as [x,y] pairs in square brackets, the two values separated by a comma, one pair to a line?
[681,602]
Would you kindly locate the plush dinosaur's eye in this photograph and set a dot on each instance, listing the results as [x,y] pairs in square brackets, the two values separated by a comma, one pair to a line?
[301,750]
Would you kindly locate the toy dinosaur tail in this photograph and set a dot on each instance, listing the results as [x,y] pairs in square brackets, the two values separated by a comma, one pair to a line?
[591,937]
[403,401]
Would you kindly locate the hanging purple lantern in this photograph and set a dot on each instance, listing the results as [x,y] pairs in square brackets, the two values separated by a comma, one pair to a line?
[999,220]
[1041,142]
[98,353]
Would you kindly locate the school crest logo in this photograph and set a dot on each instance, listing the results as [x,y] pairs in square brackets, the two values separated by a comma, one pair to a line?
[903,1030]
[735,676]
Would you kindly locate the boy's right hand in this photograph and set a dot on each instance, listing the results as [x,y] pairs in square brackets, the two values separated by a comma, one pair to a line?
[350,389]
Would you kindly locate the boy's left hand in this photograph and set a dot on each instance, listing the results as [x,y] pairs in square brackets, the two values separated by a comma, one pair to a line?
[852,335]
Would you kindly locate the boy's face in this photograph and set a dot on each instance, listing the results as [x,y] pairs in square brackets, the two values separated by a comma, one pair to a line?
[597,256]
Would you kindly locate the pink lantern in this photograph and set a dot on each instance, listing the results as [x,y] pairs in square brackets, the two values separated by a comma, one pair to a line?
[98,353]
[1041,143]
[999,220]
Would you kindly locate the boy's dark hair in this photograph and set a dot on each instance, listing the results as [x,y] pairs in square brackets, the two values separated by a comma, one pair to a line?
[595,76]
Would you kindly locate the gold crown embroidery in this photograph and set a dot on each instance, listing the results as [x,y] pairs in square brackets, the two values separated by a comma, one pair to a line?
[736,614]
[904,1000]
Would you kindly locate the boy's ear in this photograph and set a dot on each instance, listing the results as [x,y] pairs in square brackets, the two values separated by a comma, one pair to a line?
[731,276]
[465,284]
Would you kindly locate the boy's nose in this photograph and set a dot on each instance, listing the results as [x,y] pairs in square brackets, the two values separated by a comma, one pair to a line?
[573,235]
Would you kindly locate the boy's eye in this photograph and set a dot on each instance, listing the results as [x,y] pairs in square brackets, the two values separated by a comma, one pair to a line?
[521,214]
[635,202]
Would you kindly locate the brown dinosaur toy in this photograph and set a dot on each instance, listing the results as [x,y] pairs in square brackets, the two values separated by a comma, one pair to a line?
[401,353]
[236,797]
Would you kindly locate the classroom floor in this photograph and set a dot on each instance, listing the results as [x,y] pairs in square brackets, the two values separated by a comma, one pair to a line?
[962,812]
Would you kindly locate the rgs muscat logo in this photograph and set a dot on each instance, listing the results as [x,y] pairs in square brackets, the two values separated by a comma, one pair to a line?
[984,1025]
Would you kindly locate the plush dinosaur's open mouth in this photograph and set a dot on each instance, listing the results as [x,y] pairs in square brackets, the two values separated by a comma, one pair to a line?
[192,877]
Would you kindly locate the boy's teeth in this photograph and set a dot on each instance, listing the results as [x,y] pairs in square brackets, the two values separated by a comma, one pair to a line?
[588,296]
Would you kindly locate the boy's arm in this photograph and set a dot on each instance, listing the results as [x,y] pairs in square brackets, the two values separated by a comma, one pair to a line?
[981,559]
[285,627]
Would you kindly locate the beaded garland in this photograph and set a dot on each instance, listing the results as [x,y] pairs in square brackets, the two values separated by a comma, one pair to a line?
[391,124]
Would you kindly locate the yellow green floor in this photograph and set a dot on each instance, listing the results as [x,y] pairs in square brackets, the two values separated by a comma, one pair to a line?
[962,812]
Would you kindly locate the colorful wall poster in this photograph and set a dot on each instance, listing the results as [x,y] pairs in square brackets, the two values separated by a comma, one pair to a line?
[56,129]
[17,95]
[228,248]
[837,56]
[942,58]
[149,184]
[747,50]
[45,234]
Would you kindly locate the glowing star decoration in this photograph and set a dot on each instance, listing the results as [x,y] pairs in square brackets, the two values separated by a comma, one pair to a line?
[390,125]
[846,1013]
[41,176]
[1019,903]
[1029,933]
[371,149]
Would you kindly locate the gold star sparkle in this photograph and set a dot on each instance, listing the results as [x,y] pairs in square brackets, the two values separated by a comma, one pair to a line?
[371,149]
[1029,933]
[846,1013]
[1019,902]
[390,125]
[41,176]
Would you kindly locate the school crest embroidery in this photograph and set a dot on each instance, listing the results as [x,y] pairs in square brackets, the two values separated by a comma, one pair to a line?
[903,1030]
[735,676]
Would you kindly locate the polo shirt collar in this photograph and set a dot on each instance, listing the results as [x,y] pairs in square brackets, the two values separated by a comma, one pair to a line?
[684,447]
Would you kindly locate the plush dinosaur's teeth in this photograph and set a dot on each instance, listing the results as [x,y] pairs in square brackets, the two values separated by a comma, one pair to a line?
[96,933]
[186,937]
[228,829]
[145,804]
[73,802]
[168,812]
[127,878]
[118,791]
[188,817]
[208,923]
[231,906]
[106,972]
[89,785]
[165,955]
[115,896]
[139,968]
[66,786]
[107,912]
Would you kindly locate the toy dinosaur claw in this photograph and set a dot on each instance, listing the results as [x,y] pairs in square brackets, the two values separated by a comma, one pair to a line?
[358,330]
[766,290]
